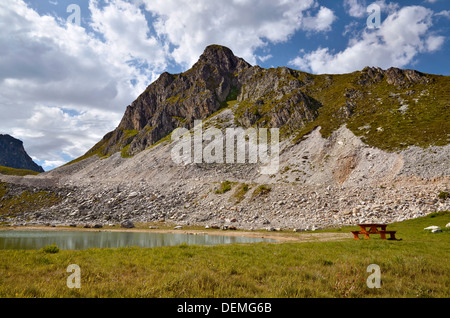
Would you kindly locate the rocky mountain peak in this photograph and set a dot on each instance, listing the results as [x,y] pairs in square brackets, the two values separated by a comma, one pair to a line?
[393,76]
[221,58]
[176,100]
[13,155]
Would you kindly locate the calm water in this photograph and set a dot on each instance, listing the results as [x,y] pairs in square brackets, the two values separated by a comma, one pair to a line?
[78,240]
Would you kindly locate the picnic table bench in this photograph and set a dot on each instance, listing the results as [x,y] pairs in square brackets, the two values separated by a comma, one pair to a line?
[373,228]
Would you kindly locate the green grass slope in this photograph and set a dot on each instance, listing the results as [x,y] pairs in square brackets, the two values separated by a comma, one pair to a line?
[16,172]
[386,116]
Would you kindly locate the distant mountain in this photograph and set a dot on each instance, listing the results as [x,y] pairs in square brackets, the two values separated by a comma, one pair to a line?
[13,155]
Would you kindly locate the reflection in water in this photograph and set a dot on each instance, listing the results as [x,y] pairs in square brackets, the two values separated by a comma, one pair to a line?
[78,240]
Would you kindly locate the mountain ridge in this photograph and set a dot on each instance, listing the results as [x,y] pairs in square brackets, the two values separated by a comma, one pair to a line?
[294,101]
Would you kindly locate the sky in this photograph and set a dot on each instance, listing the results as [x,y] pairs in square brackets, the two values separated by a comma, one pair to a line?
[69,69]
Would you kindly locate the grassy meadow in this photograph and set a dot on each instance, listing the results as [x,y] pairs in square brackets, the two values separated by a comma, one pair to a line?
[414,267]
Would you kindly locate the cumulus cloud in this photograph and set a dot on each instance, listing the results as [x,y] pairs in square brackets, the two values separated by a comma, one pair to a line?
[400,38]
[242,25]
[322,22]
[127,36]
[80,128]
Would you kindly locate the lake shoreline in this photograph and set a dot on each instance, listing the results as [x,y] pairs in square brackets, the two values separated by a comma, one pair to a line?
[279,237]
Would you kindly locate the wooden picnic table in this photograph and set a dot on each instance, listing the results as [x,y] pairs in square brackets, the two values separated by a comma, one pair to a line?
[373,228]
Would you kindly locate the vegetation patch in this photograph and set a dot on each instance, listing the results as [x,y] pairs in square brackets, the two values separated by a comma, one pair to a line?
[50,249]
[261,190]
[130,133]
[443,195]
[17,172]
[224,187]
[19,201]
[173,99]
[240,192]
[124,152]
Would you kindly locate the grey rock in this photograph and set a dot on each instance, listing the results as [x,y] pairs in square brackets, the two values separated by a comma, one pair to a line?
[127,224]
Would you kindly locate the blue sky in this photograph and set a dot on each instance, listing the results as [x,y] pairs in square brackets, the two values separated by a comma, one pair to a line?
[63,86]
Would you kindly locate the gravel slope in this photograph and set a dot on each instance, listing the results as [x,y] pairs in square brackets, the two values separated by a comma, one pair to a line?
[320,183]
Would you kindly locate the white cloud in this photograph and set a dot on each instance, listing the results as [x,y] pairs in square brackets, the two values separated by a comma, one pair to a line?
[434,43]
[126,33]
[401,37]
[444,13]
[265,57]
[52,134]
[50,164]
[355,8]
[322,22]
[351,28]
[242,25]
[358,8]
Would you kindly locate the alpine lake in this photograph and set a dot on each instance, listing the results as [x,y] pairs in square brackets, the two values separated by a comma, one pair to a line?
[80,240]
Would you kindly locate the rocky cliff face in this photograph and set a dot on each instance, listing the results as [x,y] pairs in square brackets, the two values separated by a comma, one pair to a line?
[13,155]
[176,101]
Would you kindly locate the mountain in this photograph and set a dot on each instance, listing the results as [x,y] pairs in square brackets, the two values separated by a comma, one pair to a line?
[390,109]
[368,146]
[13,155]
[176,101]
